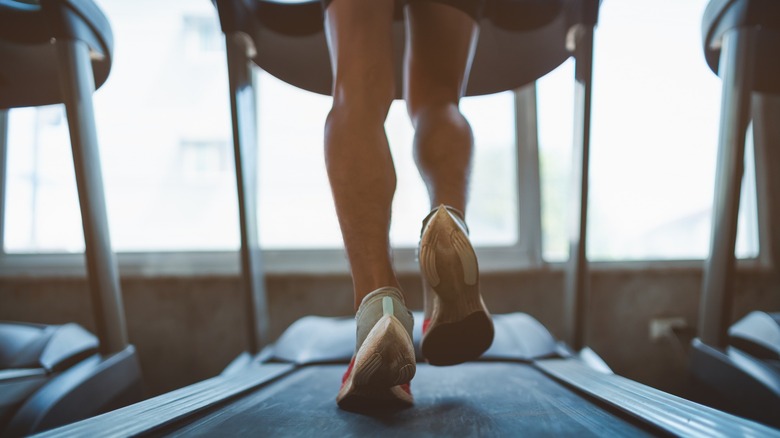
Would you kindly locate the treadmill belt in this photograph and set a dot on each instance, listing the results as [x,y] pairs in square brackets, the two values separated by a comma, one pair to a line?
[483,399]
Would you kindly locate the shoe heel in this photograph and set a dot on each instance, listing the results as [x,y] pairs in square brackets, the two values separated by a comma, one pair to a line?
[449,265]
[387,357]
[460,327]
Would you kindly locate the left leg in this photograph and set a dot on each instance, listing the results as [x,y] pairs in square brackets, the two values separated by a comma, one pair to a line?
[357,155]
[362,179]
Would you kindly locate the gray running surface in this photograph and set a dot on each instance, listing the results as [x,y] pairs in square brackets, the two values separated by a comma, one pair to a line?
[473,399]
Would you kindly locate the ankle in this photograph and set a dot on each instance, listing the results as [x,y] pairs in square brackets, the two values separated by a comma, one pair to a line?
[378,303]
[365,287]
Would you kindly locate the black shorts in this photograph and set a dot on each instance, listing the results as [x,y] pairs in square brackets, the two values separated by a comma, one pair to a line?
[473,8]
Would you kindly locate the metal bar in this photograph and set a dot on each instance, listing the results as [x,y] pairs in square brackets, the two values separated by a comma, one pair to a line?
[529,196]
[3,174]
[576,292]
[77,86]
[765,133]
[736,69]
[243,110]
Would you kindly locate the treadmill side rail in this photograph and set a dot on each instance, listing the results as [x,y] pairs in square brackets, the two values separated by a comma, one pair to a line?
[160,411]
[664,411]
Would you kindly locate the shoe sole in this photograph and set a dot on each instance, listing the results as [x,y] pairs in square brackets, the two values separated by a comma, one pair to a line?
[460,327]
[385,360]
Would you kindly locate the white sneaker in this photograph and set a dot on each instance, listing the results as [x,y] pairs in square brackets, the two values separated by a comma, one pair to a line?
[384,361]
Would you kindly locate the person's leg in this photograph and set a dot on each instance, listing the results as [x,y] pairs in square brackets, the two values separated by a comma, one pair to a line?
[362,178]
[440,49]
[359,164]
[440,46]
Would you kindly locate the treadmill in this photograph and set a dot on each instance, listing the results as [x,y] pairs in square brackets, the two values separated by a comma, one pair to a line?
[527,383]
[60,51]
[738,367]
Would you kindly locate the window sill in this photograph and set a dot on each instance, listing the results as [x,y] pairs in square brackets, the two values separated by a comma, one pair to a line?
[313,262]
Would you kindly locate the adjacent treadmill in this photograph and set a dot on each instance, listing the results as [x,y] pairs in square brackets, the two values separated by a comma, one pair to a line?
[526,384]
[737,368]
[59,51]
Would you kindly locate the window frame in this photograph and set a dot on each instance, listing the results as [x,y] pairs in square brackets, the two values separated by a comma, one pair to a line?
[524,255]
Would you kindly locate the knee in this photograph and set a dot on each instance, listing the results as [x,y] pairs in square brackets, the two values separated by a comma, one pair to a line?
[436,113]
[432,109]
[363,98]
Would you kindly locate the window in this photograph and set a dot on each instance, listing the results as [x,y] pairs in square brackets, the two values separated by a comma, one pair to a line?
[204,160]
[41,198]
[654,136]
[164,131]
[202,35]
[163,121]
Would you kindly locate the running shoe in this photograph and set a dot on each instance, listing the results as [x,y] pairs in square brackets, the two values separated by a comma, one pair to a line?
[457,326]
[384,361]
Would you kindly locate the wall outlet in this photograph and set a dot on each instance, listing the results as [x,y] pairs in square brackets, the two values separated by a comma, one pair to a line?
[664,327]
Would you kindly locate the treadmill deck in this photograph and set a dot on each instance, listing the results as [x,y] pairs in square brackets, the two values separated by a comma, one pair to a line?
[473,399]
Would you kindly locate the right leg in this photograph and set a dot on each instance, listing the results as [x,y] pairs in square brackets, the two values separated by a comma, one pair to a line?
[362,179]
[441,41]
